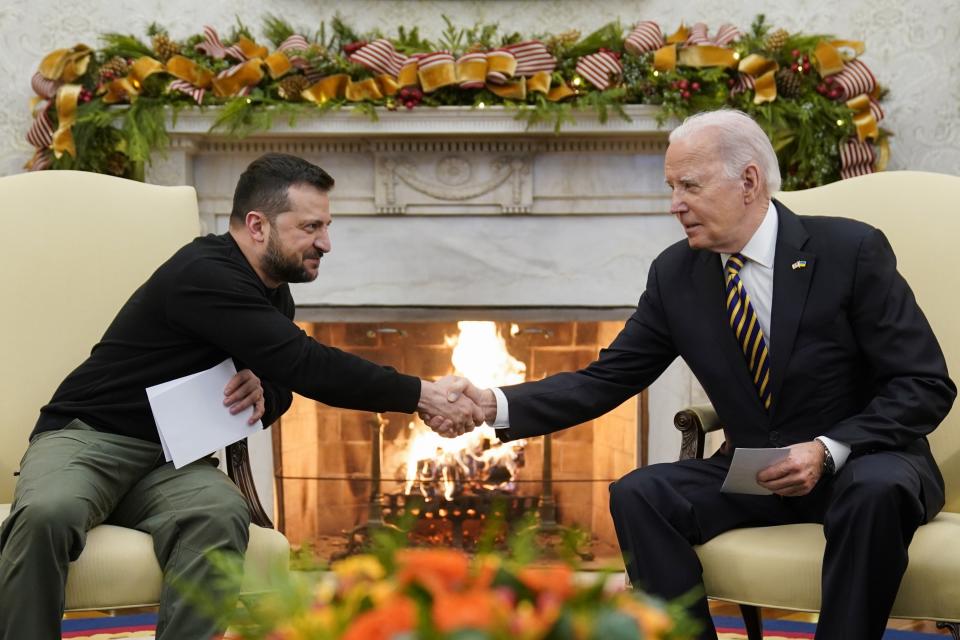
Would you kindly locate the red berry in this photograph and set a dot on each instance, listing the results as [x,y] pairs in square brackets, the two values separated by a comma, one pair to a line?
[795,53]
[835,93]
[806,67]
[821,88]
[695,86]
[731,82]
[685,95]
[684,83]
[794,67]
[674,84]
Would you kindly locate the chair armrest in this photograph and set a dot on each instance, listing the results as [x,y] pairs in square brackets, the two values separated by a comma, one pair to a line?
[693,422]
[238,468]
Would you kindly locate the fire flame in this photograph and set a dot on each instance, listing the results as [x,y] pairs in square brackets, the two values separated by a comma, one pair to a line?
[478,458]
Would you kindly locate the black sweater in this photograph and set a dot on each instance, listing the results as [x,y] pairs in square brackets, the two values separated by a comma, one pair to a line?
[206,303]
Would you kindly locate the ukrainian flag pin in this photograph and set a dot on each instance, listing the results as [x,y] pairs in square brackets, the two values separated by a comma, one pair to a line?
[799,264]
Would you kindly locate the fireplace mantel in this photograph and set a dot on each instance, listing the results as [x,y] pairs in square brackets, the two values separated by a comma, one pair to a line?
[444,161]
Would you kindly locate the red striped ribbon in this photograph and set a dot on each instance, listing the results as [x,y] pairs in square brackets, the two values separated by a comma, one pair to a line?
[645,37]
[602,69]
[855,79]
[532,58]
[380,56]
[856,158]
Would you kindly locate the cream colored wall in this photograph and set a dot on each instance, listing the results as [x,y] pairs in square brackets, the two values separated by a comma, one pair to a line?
[911,44]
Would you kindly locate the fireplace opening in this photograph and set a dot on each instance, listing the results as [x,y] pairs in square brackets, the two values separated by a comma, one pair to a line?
[339,472]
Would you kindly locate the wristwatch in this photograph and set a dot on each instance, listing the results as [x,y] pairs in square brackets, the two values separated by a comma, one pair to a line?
[829,466]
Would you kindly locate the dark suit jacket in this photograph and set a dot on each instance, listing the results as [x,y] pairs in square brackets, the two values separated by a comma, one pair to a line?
[852,355]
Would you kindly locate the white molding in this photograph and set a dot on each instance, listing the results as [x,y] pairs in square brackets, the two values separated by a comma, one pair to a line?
[431,121]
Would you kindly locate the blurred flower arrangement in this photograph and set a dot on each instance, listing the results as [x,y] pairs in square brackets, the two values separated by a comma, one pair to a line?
[397,593]
[108,109]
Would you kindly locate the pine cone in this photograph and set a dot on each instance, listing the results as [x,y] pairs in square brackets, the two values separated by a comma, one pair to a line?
[115,67]
[291,87]
[776,40]
[789,84]
[164,47]
[116,164]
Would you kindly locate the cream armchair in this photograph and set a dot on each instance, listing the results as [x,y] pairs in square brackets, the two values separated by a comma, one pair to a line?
[77,245]
[780,566]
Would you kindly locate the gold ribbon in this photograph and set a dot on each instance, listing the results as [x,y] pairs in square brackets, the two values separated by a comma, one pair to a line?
[679,36]
[540,82]
[560,92]
[363,90]
[829,58]
[883,155]
[707,55]
[764,74]
[408,73]
[67,98]
[511,91]
[327,88]
[189,71]
[278,64]
[863,118]
[250,48]
[128,87]
[665,58]
[501,62]
[341,86]
[66,65]
[474,70]
[247,74]
[442,74]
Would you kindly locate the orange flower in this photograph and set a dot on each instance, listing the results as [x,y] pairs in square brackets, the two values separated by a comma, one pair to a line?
[437,570]
[652,621]
[395,616]
[555,579]
[473,609]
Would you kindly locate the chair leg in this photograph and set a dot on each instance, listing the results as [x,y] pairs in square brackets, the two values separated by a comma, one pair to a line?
[752,621]
[953,627]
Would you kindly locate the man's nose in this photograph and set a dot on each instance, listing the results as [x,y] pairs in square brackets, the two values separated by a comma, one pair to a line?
[677,205]
[323,242]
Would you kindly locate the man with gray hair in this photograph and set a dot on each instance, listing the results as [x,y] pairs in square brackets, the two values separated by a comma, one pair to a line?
[804,335]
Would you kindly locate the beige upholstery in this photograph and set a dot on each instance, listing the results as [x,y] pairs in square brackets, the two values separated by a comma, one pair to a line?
[77,245]
[780,566]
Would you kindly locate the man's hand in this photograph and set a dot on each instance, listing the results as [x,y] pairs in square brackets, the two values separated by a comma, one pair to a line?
[798,473]
[446,409]
[483,398]
[244,390]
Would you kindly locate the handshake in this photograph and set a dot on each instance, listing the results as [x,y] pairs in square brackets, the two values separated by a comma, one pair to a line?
[452,406]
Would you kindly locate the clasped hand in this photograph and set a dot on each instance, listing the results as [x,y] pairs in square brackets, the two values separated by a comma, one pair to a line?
[450,406]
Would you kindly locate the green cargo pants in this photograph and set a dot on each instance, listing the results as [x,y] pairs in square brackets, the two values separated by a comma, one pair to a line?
[76,478]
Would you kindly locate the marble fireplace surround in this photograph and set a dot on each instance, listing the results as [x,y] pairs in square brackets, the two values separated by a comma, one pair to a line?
[459,213]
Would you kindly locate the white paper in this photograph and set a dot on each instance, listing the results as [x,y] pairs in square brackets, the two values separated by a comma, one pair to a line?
[191,418]
[746,464]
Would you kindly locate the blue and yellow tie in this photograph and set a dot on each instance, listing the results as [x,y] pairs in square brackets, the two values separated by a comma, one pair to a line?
[746,328]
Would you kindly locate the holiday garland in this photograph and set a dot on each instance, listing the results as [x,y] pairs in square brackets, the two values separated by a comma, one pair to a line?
[106,110]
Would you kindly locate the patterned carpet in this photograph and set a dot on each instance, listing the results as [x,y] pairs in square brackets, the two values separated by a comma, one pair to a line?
[729,628]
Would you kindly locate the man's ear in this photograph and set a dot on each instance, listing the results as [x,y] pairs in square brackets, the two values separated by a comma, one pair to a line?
[257,225]
[752,185]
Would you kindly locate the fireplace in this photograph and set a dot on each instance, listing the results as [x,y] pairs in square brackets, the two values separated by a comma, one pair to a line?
[327,459]
[448,215]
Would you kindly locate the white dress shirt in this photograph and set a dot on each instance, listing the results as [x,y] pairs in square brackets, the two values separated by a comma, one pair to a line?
[757,278]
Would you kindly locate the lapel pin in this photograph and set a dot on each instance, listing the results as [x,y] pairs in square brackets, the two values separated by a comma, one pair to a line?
[799,264]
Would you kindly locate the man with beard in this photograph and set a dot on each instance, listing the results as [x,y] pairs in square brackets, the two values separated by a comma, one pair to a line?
[95,454]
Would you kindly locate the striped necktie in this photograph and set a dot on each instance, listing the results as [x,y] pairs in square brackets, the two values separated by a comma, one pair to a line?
[746,328]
